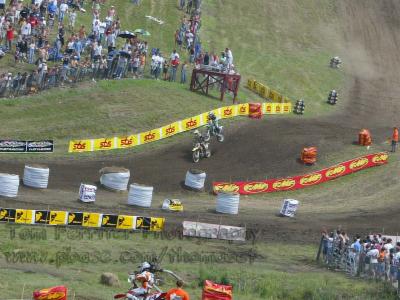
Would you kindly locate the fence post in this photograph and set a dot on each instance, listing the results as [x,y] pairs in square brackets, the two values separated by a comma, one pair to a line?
[319,248]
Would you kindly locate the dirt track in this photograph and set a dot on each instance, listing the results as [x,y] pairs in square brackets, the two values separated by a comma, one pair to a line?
[268,148]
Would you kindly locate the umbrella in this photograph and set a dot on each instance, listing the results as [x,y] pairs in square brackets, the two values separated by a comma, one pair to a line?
[142,32]
[126,34]
[124,53]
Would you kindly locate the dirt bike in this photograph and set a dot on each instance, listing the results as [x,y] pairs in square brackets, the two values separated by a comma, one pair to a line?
[214,130]
[200,150]
[156,295]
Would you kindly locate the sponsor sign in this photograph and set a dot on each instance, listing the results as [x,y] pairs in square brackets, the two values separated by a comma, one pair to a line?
[104,144]
[80,146]
[24,216]
[12,146]
[7,215]
[298,182]
[150,136]
[84,219]
[121,142]
[126,141]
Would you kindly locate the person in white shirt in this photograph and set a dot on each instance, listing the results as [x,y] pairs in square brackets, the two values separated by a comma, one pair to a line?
[26,30]
[72,19]
[63,9]
[373,254]
[174,55]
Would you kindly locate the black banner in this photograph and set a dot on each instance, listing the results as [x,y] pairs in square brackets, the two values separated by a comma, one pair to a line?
[11,146]
[7,215]
[75,218]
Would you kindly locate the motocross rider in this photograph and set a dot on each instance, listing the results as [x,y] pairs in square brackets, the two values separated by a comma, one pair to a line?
[198,138]
[146,278]
[213,121]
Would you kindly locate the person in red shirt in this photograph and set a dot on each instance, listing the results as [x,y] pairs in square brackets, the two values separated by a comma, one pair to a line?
[10,36]
[177,293]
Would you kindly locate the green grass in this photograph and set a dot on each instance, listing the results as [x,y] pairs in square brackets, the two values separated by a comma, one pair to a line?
[286,45]
[280,271]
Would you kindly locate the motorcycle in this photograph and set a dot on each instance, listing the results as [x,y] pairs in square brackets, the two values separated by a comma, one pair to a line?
[132,293]
[200,150]
[214,130]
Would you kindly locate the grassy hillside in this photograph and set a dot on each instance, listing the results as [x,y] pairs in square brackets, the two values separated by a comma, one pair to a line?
[278,272]
[285,44]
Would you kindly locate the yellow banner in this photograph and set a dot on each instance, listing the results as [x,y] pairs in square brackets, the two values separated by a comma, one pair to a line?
[150,136]
[125,222]
[228,112]
[179,126]
[191,123]
[104,144]
[58,217]
[243,109]
[157,224]
[127,141]
[170,130]
[91,219]
[80,146]
[24,216]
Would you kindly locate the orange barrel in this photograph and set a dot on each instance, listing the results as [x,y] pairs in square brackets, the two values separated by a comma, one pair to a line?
[255,110]
[309,155]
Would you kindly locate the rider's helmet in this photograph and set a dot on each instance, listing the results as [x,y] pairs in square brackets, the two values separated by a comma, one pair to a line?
[145,266]
[212,116]
[196,132]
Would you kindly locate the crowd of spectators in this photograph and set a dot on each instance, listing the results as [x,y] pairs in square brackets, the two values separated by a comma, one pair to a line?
[45,35]
[374,256]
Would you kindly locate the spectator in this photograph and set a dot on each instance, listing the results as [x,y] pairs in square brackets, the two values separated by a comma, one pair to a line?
[183,72]
[62,10]
[10,37]
[177,293]
[395,139]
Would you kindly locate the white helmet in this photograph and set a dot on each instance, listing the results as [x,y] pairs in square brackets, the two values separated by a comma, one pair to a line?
[145,266]
[196,132]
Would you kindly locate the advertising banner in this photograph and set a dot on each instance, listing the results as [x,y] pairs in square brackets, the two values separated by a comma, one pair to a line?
[104,144]
[127,141]
[170,130]
[7,215]
[80,146]
[91,219]
[150,136]
[12,146]
[302,181]
[24,216]
[121,142]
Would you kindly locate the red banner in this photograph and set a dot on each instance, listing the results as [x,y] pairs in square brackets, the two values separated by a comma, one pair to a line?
[214,291]
[53,293]
[302,181]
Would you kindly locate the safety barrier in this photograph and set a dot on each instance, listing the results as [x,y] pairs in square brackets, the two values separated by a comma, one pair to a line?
[298,182]
[80,219]
[266,92]
[122,142]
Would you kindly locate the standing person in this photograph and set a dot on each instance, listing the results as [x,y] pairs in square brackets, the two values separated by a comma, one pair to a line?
[181,4]
[183,72]
[9,36]
[395,138]
[177,293]
[63,9]
[72,19]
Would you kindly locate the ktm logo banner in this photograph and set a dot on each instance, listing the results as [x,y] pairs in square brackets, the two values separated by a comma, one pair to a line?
[133,140]
[299,182]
